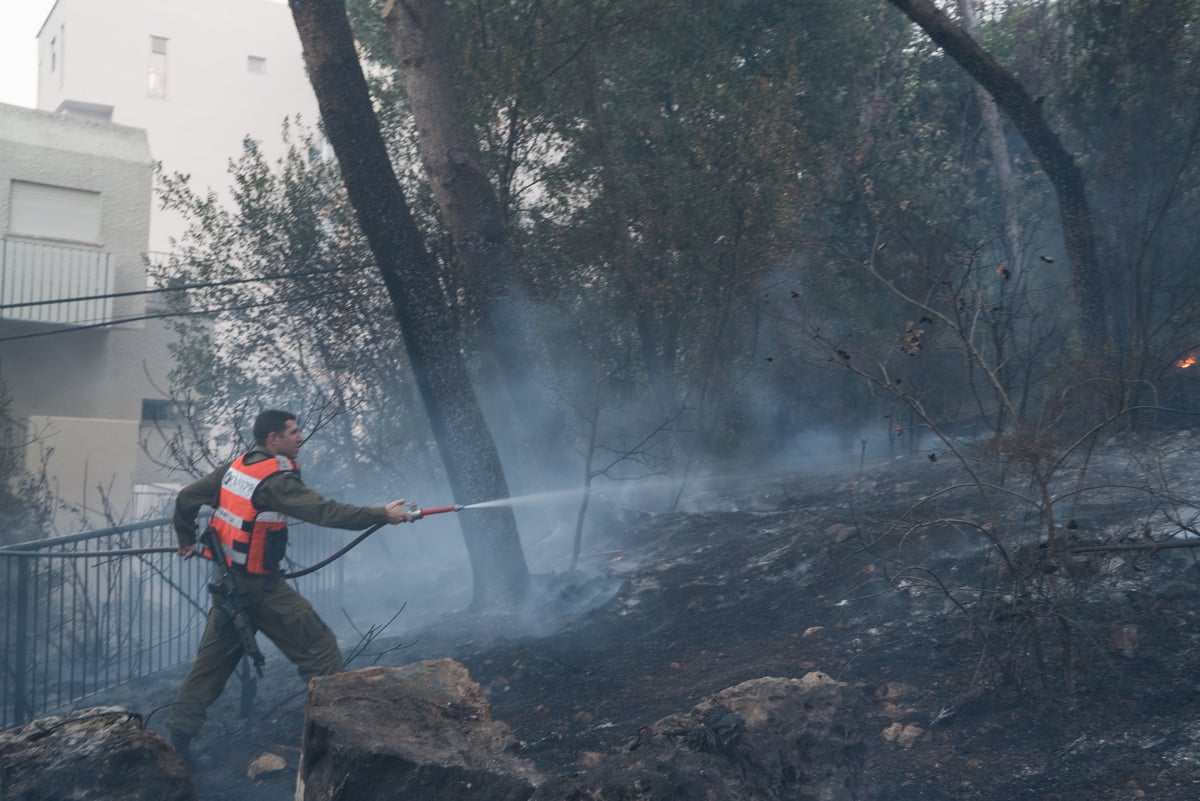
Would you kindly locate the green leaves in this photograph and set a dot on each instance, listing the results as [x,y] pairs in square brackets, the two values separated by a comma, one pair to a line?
[294,313]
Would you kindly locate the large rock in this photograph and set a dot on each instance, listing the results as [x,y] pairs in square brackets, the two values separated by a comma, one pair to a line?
[768,738]
[418,731]
[425,731]
[94,754]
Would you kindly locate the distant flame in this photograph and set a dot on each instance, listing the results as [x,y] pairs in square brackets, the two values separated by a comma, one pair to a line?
[1186,361]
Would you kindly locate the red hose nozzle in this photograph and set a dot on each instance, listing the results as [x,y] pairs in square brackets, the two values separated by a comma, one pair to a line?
[417,512]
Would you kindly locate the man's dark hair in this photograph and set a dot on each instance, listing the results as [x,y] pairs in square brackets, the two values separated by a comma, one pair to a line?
[272,421]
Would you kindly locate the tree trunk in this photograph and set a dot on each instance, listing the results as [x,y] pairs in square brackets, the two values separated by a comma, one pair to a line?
[1060,167]
[410,274]
[471,211]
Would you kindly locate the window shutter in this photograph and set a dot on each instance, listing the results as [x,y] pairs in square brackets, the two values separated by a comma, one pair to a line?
[53,212]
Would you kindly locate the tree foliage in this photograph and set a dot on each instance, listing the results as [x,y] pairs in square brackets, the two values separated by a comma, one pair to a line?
[296,319]
[760,220]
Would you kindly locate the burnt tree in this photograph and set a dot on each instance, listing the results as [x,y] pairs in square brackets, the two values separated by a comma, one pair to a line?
[426,320]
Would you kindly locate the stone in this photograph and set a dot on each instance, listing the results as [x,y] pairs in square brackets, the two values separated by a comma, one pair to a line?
[840,532]
[266,764]
[426,731]
[423,730]
[894,690]
[90,755]
[903,735]
[765,738]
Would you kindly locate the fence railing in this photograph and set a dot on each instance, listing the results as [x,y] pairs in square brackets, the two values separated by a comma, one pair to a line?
[32,273]
[77,617]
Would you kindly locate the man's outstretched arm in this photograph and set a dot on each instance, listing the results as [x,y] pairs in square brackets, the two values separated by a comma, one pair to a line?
[286,493]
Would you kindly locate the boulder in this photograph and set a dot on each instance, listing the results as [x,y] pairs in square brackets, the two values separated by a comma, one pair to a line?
[266,764]
[799,739]
[90,755]
[423,731]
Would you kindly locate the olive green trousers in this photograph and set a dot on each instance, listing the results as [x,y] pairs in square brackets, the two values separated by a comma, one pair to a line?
[277,611]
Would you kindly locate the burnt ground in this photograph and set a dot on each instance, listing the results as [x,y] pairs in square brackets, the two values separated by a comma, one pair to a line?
[883,577]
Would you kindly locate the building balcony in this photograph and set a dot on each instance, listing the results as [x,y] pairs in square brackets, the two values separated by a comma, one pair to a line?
[35,274]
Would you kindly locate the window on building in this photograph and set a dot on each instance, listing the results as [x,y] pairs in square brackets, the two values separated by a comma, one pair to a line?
[54,212]
[256,64]
[53,53]
[157,79]
[157,410]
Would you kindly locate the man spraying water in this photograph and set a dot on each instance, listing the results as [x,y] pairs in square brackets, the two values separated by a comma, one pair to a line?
[252,499]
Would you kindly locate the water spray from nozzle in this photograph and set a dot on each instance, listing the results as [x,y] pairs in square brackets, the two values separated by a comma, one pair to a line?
[520,500]
[530,500]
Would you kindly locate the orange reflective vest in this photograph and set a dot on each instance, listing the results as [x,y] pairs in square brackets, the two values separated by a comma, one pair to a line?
[252,539]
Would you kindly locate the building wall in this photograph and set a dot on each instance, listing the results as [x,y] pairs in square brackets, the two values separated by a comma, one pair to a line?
[91,465]
[100,54]
[95,62]
[112,160]
[79,390]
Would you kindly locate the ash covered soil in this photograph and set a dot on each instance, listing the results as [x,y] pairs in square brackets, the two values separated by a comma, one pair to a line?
[881,575]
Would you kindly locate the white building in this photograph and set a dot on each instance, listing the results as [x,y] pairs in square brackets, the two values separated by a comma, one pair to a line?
[198,77]
[75,199]
[133,82]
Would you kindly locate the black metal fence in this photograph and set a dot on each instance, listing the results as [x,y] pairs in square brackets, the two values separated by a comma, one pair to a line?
[89,611]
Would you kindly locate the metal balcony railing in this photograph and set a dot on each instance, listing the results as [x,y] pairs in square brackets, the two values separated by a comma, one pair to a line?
[73,624]
[32,273]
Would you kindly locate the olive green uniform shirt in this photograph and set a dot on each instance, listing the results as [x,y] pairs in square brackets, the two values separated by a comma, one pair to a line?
[282,492]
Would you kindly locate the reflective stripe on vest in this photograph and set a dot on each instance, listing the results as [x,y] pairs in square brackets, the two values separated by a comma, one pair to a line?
[243,528]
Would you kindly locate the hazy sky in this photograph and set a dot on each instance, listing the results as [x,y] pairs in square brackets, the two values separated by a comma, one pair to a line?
[19,23]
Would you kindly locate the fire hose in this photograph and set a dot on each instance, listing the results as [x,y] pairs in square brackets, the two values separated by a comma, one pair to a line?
[227,596]
[233,600]
[414,510]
